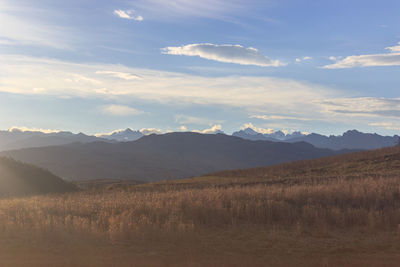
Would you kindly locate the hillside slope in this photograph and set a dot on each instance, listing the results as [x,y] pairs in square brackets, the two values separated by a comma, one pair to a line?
[379,163]
[168,156]
[17,179]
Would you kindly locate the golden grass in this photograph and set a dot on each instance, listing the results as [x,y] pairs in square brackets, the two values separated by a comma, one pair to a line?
[339,221]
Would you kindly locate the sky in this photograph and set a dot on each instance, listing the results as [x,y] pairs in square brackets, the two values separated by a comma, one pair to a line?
[95,66]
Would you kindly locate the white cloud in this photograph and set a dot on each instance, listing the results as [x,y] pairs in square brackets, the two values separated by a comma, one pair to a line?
[394,49]
[120,75]
[120,110]
[257,129]
[368,107]
[255,95]
[109,133]
[22,74]
[298,60]
[387,125]
[373,60]
[148,131]
[128,14]
[184,119]
[215,9]
[224,53]
[279,117]
[183,128]
[213,130]
[27,129]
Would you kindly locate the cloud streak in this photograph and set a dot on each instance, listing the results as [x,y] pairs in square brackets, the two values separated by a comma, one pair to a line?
[27,129]
[215,9]
[120,75]
[387,125]
[184,119]
[213,130]
[128,14]
[279,117]
[374,60]
[368,107]
[120,110]
[251,94]
[224,53]
[20,30]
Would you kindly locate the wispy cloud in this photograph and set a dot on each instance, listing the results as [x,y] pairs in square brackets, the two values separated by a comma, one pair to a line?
[363,107]
[301,59]
[279,117]
[148,131]
[224,53]
[215,9]
[184,119]
[128,14]
[213,130]
[120,110]
[22,74]
[262,96]
[28,129]
[387,125]
[120,75]
[18,28]
[373,60]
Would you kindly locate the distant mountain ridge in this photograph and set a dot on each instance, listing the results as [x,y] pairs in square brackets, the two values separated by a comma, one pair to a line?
[351,139]
[167,156]
[17,139]
[251,134]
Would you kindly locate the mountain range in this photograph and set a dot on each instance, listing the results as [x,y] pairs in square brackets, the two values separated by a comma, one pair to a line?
[123,135]
[349,140]
[167,156]
[16,139]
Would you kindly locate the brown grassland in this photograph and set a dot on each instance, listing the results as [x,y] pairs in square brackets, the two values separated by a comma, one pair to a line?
[339,211]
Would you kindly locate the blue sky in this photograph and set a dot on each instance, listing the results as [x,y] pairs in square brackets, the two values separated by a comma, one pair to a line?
[96,66]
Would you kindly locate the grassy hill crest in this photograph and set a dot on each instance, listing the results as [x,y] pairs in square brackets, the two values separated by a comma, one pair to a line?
[20,179]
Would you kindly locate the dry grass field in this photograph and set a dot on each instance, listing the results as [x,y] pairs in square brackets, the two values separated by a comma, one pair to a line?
[340,211]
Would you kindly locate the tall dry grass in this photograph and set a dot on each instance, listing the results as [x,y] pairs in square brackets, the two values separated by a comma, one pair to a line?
[370,204]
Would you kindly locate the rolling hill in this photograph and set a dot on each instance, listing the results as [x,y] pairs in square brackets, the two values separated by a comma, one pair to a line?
[17,178]
[378,163]
[168,156]
[358,166]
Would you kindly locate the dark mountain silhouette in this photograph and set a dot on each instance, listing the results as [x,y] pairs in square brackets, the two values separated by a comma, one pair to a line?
[17,179]
[17,139]
[349,140]
[157,157]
